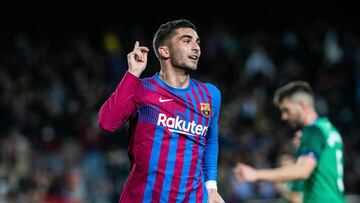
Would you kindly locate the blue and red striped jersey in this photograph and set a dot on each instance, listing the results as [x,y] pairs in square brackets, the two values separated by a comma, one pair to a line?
[174,140]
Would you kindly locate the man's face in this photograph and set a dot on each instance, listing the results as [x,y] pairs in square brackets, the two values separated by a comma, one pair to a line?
[291,112]
[184,49]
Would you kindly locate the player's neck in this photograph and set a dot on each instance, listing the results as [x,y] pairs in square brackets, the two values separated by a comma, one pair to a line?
[175,78]
[310,118]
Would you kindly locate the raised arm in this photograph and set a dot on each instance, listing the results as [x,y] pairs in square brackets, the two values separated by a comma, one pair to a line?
[121,104]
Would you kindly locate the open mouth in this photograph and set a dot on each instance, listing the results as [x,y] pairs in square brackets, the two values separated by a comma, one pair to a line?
[194,57]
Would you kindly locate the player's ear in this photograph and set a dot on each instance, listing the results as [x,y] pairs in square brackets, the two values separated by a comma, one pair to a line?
[302,104]
[164,52]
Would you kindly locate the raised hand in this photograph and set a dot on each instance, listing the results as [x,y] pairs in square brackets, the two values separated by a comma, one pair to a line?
[137,59]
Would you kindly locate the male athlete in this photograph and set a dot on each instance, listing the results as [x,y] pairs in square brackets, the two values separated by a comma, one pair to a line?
[173,121]
[320,161]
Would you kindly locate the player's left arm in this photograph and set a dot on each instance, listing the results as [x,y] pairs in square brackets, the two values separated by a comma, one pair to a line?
[301,170]
[211,152]
[309,153]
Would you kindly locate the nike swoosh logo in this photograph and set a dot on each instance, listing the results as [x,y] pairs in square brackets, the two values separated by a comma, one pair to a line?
[164,100]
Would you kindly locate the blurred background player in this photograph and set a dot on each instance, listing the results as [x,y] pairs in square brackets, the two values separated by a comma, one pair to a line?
[320,160]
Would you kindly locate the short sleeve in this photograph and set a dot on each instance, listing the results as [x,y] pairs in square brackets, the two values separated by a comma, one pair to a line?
[312,142]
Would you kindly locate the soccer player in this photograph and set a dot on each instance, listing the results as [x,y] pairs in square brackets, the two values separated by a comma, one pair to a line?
[319,162]
[173,121]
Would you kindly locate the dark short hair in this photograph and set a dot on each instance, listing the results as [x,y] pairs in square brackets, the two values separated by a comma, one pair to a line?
[290,89]
[167,30]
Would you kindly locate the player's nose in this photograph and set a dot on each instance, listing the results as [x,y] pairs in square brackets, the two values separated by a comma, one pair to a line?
[196,47]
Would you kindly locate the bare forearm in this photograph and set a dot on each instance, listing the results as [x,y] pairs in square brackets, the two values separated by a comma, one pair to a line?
[287,173]
[301,170]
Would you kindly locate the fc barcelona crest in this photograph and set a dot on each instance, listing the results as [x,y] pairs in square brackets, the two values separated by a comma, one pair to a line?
[205,109]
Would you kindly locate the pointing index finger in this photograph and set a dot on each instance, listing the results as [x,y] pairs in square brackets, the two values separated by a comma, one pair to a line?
[136,45]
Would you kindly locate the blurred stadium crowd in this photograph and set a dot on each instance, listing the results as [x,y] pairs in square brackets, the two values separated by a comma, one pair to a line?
[53,84]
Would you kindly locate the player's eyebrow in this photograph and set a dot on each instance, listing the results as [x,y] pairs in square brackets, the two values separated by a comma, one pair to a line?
[190,37]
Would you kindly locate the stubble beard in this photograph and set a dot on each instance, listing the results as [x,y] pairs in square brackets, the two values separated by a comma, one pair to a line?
[182,64]
[296,122]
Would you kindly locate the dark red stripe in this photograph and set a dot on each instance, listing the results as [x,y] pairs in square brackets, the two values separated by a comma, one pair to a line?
[136,182]
[177,169]
[200,189]
[195,150]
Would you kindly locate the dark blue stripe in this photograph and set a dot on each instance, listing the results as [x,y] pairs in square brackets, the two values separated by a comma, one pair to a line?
[170,165]
[153,164]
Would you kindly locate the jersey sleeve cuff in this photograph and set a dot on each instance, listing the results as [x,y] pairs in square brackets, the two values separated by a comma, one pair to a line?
[311,154]
[211,184]
[130,76]
[128,82]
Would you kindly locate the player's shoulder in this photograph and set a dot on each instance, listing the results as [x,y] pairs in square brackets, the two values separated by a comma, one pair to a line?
[209,86]
[212,88]
[148,83]
[147,80]
[312,131]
